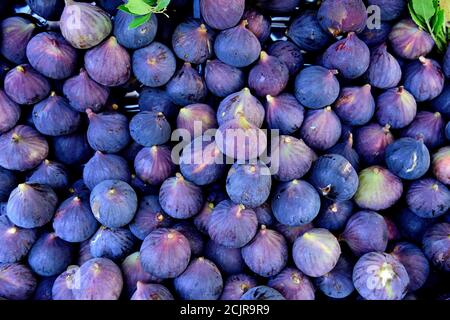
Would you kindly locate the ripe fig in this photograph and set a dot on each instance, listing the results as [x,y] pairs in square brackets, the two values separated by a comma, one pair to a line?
[25,86]
[412,226]
[134,38]
[133,273]
[236,286]
[435,245]
[289,54]
[16,32]
[51,173]
[342,16]
[321,129]
[424,79]
[17,282]
[442,102]
[47,9]
[154,165]
[114,244]
[428,198]
[222,79]
[222,14]
[258,23]
[390,10]
[103,167]
[195,238]
[149,128]
[262,292]
[293,285]
[446,63]
[334,215]
[376,36]
[9,113]
[16,242]
[337,283]
[8,181]
[346,150]
[396,107]
[384,71]
[269,76]
[72,149]
[151,292]
[196,119]
[371,142]
[427,126]
[440,165]
[187,86]
[355,105]
[158,100]
[228,260]
[276,110]
[409,41]
[292,233]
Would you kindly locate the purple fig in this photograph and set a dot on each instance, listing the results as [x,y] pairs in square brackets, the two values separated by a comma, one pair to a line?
[47,9]
[355,105]
[441,165]
[17,282]
[446,63]
[72,149]
[187,86]
[396,107]
[427,126]
[258,23]
[289,54]
[16,32]
[133,273]
[151,292]
[321,129]
[65,283]
[371,142]
[292,233]
[428,198]
[9,113]
[269,76]
[222,14]
[346,150]
[201,220]
[16,242]
[103,167]
[277,6]
[149,128]
[196,119]
[222,79]
[341,16]
[228,260]
[262,293]
[334,215]
[134,38]
[158,100]
[293,285]
[44,289]
[409,41]
[436,244]
[337,283]
[384,71]
[154,165]
[424,79]
[390,9]
[236,285]
[374,37]
[8,181]
[114,244]
[51,173]
[276,110]
[194,236]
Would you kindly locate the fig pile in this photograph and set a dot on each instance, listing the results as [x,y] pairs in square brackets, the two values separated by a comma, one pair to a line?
[201,156]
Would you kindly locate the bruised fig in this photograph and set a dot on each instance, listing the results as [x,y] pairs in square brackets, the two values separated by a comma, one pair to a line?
[9,113]
[258,23]
[114,244]
[109,63]
[409,41]
[149,128]
[371,142]
[192,42]
[196,119]
[50,54]
[441,165]
[355,105]
[51,173]
[17,282]
[305,31]
[396,107]
[22,148]
[269,76]
[384,71]
[103,167]
[187,86]
[424,79]
[428,198]
[154,165]
[237,46]
[222,14]
[16,32]
[47,9]
[16,242]
[222,79]
[151,291]
[427,126]
[84,25]
[25,86]
[84,93]
[390,9]
[342,16]
[289,54]
[134,38]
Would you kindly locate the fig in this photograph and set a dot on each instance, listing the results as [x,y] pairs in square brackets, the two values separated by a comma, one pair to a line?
[47,9]
[113,203]
[17,282]
[134,38]
[133,273]
[194,236]
[43,290]
[412,226]
[154,165]
[384,70]
[321,129]
[428,198]
[8,181]
[54,116]
[109,5]
[158,100]
[187,86]
[165,253]
[84,253]
[50,255]
[293,285]
[305,31]
[238,46]
[151,292]
[51,55]
[342,54]
[262,293]
[222,14]
[345,149]
[447,131]
[228,260]
[72,148]
[9,113]
[428,127]
[277,6]
[292,233]
[378,189]
[435,245]
[201,220]
[269,76]
[278,107]
[51,173]
[409,41]
[334,215]
[337,283]
[371,142]
[154,65]
[103,167]
[258,23]
[114,244]
[84,25]
[267,254]
[289,54]
[192,41]
[355,105]
[180,198]
[16,32]
[74,221]
[25,86]
[316,252]
[16,242]
[316,87]
[196,119]
[396,107]
[342,16]
[446,63]
[109,63]
[108,131]
[380,276]
[390,10]
[236,286]
[200,281]
[149,128]
[222,79]
[65,283]
[440,165]
[424,79]
[374,37]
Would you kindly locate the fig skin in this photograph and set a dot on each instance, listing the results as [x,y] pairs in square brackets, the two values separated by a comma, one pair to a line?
[22,149]
[134,38]
[442,102]
[222,79]
[51,55]
[371,142]
[154,65]
[269,76]
[149,128]
[228,260]
[16,32]
[293,285]
[337,283]
[440,165]
[321,129]
[84,93]
[342,16]
[288,53]
[192,115]
[194,237]
[222,14]
[396,107]
[390,10]
[16,242]
[187,86]
[17,282]
[384,71]
[446,63]
[154,165]
[376,37]
[412,226]
[355,105]
[54,116]
[93,24]
[43,290]
[316,87]
[258,23]
[47,9]
[103,167]
[9,113]
[192,41]
[25,86]
[424,79]
[262,293]
[435,245]
[237,285]
[305,31]
[8,181]
[158,100]
[151,292]
[165,253]
[114,244]
[408,41]
[72,149]
[64,284]
[345,149]
[238,46]
[51,173]
[278,107]
[334,215]
[427,126]
[109,63]
[133,273]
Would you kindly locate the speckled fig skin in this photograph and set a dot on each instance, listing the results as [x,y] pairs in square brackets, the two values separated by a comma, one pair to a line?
[321,129]
[134,38]
[133,273]
[317,87]
[384,70]
[427,126]
[51,173]
[64,283]
[435,245]
[237,46]
[114,244]
[74,221]
[16,32]
[158,100]
[151,291]
[47,9]
[390,10]
[378,189]
[154,65]
[72,149]
[22,148]
[9,112]
[337,283]
[154,165]
[54,116]
[16,242]
[198,113]
[410,42]
[149,128]
[371,142]
[103,167]
[306,32]
[424,79]
[84,93]
[267,254]
[228,260]
[50,54]
[355,105]
[222,79]
[109,63]
[316,252]
[269,76]
[293,285]
[84,25]
[237,285]
[258,23]
[396,107]
[222,14]
[380,276]
[288,53]
[17,282]
[165,253]
[187,86]
[192,41]
[342,16]
[25,86]
[441,165]
[334,215]
[376,37]
[342,54]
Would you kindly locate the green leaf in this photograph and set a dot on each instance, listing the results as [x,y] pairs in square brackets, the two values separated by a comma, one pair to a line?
[439,22]
[138,7]
[138,21]
[418,20]
[124,9]
[162,5]
[424,9]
